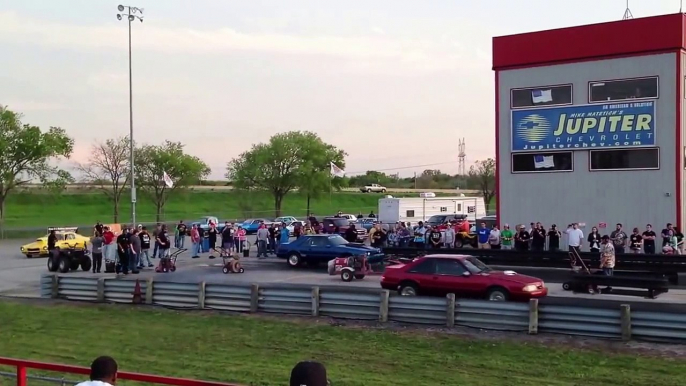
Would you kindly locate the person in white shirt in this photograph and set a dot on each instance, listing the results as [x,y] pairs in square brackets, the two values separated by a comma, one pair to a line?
[494,238]
[574,237]
[103,372]
[448,237]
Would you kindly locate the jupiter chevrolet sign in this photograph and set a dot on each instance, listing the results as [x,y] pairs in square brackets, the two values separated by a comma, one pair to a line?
[611,125]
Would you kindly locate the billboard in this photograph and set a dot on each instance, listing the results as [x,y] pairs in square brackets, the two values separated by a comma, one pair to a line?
[607,125]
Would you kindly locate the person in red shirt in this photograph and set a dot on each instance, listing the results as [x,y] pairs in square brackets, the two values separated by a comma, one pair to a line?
[109,247]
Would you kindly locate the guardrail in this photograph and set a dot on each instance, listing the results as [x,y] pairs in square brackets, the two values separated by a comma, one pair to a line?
[375,305]
[22,375]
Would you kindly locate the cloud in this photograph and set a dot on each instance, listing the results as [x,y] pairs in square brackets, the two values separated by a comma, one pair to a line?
[408,53]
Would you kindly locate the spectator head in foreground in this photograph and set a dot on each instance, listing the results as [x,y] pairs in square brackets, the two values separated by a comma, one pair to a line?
[309,373]
[103,372]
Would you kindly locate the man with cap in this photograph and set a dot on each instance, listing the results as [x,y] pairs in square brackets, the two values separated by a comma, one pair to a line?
[309,373]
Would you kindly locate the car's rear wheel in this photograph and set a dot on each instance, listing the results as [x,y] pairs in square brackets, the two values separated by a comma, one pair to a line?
[408,289]
[294,260]
[63,265]
[498,294]
[383,190]
[346,275]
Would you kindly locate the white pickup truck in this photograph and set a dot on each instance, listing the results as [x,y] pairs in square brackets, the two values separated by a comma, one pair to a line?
[376,188]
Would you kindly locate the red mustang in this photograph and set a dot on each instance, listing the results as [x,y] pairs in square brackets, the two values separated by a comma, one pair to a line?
[465,276]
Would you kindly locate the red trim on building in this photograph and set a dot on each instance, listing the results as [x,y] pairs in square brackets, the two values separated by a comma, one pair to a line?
[497,149]
[679,154]
[590,42]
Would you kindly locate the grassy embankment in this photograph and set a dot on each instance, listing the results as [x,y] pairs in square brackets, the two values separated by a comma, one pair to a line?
[259,351]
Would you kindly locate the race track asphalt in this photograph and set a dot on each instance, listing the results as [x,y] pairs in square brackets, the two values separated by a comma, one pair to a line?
[20,276]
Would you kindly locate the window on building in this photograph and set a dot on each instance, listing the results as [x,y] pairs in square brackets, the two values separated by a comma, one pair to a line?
[624,159]
[623,89]
[543,162]
[541,96]
[409,213]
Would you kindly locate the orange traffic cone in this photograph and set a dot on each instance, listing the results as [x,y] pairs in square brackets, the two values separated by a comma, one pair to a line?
[137,294]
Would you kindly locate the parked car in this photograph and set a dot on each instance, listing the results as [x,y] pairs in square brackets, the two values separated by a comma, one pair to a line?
[490,221]
[251,225]
[465,276]
[329,225]
[66,238]
[439,219]
[365,223]
[287,219]
[204,223]
[313,249]
[376,188]
[349,217]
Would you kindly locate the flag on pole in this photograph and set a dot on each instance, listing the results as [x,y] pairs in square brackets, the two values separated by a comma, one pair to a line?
[167,180]
[336,171]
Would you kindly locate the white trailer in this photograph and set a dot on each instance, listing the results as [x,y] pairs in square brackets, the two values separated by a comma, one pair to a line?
[415,209]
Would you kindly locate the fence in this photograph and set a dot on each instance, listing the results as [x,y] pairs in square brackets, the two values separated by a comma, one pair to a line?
[375,305]
[22,374]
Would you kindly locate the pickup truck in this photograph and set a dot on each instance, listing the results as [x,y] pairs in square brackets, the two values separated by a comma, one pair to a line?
[376,188]
[204,223]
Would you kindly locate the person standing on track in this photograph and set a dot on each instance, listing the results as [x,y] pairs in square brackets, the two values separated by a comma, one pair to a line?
[227,238]
[262,239]
[135,259]
[96,246]
[145,247]
[212,238]
[162,242]
[123,251]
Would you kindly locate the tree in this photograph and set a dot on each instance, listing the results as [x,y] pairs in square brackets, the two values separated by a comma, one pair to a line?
[315,172]
[108,168]
[26,153]
[151,162]
[483,175]
[288,161]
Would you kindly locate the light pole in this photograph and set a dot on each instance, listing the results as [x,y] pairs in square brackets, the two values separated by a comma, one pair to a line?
[131,14]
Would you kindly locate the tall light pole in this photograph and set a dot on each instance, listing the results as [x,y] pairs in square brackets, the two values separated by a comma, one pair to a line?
[131,14]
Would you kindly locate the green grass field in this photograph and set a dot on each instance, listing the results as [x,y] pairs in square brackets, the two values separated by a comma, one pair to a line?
[255,350]
[29,209]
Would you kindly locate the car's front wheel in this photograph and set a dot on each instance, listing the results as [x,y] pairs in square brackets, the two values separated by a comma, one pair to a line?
[498,295]
[408,289]
[294,260]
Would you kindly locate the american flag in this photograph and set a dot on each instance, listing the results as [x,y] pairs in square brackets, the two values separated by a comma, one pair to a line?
[471,209]
[336,171]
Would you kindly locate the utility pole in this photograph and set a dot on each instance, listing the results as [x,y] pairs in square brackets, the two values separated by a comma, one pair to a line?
[131,14]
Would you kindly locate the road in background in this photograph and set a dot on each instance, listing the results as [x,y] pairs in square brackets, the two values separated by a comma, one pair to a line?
[20,276]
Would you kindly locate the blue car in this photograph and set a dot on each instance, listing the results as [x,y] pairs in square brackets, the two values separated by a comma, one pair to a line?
[366,223]
[313,249]
[252,225]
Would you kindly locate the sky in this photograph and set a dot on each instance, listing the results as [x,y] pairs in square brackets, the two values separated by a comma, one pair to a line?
[394,83]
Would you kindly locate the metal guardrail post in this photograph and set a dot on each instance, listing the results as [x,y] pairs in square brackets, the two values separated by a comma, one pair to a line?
[383,306]
[450,310]
[149,287]
[533,316]
[254,298]
[100,297]
[625,314]
[55,289]
[315,301]
[201,295]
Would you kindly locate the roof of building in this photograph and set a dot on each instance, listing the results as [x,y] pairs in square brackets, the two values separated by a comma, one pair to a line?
[621,38]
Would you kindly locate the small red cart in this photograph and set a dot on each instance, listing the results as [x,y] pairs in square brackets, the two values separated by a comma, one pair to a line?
[357,267]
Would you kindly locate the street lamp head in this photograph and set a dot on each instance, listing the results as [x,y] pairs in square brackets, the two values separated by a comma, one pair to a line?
[132,18]
[120,8]
[118,17]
